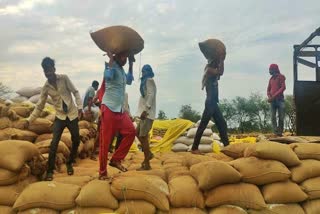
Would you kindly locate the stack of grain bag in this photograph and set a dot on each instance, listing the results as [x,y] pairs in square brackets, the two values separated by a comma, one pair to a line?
[15,172]
[266,177]
[184,143]
[31,94]
[39,132]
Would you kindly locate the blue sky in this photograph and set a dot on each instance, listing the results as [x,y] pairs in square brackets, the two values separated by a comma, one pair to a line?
[255,32]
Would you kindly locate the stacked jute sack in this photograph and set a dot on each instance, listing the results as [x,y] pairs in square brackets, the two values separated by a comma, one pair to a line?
[40,131]
[184,143]
[31,94]
[18,169]
[262,178]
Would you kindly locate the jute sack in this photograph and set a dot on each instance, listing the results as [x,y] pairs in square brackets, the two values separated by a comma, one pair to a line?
[306,150]
[10,193]
[311,187]
[44,147]
[41,126]
[8,177]
[307,169]
[28,91]
[5,122]
[219,156]
[88,210]
[44,137]
[312,206]
[53,195]
[17,134]
[51,117]
[89,145]
[184,192]
[179,147]
[209,126]
[184,140]
[76,180]
[177,172]
[274,151]
[195,159]
[14,154]
[148,188]
[259,171]
[88,195]
[136,207]
[155,172]
[118,39]
[236,150]
[283,193]
[204,148]
[192,132]
[279,209]
[242,194]
[23,111]
[84,134]
[227,209]
[177,159]
[6,210]
[206,140]
[19,99]
[35,98]
[83,124]
[39,211]
[214,173]
[66,138]
[186,210]
[213,49]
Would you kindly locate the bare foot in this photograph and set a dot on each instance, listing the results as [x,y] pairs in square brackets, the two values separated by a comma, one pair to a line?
[196,152]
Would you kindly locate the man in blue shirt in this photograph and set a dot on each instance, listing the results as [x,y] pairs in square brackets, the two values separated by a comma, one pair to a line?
[113,117]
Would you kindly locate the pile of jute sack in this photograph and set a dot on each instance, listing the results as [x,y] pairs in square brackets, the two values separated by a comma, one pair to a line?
[31,94]
[40,131]
[266,177]
[184,142]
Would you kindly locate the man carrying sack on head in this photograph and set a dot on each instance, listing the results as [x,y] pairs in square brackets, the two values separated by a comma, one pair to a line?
[113,117]
[215,51]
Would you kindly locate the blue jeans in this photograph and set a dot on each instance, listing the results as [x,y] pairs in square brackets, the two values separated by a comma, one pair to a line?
[277,106]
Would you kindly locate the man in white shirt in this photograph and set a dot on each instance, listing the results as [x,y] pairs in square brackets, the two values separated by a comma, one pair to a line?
[147,113]
[60,88]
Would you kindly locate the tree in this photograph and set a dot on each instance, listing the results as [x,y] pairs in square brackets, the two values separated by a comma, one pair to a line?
[186,112]
[162,115]
[4,91]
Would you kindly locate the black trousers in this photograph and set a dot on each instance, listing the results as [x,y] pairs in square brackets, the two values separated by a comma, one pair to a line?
[211,110]
[58,127]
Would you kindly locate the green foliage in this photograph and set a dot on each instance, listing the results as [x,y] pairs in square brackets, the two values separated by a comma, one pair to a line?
[253,114]
[186,112]
[162,115]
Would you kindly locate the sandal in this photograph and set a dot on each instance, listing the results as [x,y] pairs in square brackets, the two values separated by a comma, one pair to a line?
[118,165]
[70,169]
[49,176]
